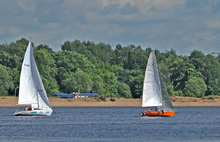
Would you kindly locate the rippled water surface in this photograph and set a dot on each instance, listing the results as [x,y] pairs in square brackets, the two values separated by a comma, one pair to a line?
[111,124]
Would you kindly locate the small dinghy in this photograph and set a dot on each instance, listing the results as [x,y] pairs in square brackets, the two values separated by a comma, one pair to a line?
[154,91]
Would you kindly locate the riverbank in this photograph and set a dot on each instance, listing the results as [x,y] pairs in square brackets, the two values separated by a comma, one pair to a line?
[117,102]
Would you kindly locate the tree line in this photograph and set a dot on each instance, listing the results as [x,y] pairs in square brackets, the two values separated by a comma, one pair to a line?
[117,71]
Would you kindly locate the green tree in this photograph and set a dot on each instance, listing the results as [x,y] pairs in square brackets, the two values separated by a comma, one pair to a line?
[110,83]
[98,84]
[15,75]
[18,48]
[71,85]
[190,73]
[83,80]
[198,59]
[6,82]
[195,87]
[11,61]
[79,80]
[212,75]
[178,69]
[136,85]
[124,90]
[170,90]
[61,74]
[46,47]
[117,56]
[71,61]
[47,69]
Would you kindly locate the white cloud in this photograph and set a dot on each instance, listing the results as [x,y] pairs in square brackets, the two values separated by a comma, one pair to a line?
[54,25]
[207,36]
[167,4]
[35,19]
[14,30]
[121,3]
[27,5]
[213,24]
[144,5]
[83,4]
[189,39]
[201,38]
[95,17]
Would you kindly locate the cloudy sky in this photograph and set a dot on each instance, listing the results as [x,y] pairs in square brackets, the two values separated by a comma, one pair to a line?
[184,25]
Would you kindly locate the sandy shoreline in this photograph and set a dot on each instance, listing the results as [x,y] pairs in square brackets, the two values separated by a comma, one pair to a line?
[119,102]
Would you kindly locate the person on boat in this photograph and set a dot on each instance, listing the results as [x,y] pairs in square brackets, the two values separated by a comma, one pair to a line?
[148,110]
[29,107]
[161,109]
[25,109]
[144,111]
[158,112]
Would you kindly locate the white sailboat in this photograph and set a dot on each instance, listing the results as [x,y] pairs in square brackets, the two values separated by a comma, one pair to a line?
[31,89]
[154,91]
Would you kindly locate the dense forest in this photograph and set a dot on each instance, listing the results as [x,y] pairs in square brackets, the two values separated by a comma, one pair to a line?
[115,71]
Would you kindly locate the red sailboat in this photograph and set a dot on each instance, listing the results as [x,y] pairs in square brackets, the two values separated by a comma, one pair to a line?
[154,91]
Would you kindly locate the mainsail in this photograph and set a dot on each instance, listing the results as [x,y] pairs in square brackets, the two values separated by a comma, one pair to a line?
[152,88]
[31,89]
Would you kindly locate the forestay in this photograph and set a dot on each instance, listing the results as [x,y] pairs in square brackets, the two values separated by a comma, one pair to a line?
[31,89]
[152,88]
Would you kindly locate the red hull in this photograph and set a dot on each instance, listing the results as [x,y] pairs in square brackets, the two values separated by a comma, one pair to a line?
[155,113]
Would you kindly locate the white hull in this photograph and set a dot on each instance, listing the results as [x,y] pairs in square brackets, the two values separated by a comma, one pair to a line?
[34,113]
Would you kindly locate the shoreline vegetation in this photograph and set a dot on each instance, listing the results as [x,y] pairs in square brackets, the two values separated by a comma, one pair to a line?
[177,101]
[112,71]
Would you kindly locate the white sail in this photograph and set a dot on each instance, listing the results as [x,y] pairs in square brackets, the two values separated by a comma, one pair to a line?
[31,89]
[152,88]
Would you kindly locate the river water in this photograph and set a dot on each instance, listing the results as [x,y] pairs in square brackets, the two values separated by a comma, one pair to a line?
[121,124]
